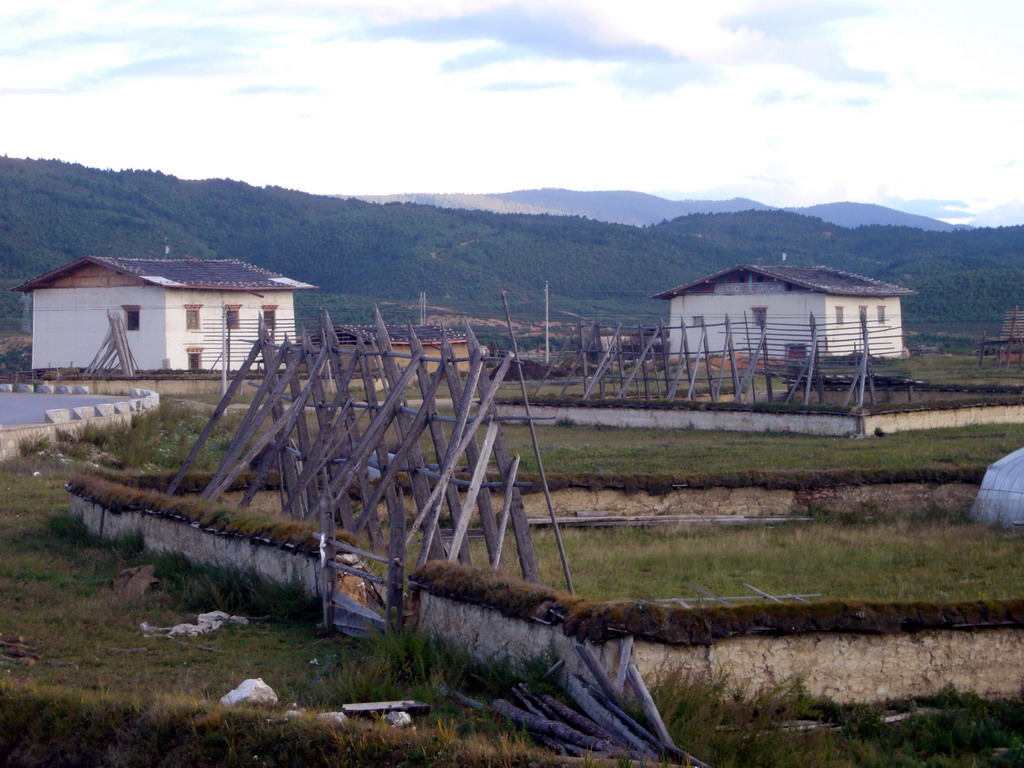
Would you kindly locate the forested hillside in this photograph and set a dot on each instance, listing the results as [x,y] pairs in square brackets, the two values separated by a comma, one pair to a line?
[360,253]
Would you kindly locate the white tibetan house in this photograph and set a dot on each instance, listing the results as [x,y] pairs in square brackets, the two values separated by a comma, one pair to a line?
[784,298]
[1001,496]
[175,311]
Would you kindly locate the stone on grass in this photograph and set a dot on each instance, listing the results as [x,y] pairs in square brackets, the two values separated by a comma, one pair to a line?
[133,583]
[251,691]
[398,719]
[334,718]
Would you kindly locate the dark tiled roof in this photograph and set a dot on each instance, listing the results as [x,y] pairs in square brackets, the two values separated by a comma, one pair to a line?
[428,334]
[821,279]
[222,274]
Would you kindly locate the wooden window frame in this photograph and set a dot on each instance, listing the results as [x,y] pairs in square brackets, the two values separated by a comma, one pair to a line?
[233,316]
[193,319]
[270,316]
[132,317]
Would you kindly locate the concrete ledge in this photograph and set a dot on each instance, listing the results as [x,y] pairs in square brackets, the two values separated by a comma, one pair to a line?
[58,416]
[6,388]
[79,390]
[24,388]
[83,412]
[104,409]
[807,423]
[44,389]
[122,406]
[62,389]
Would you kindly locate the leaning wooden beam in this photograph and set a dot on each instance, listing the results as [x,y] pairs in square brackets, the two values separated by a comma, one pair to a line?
[605,361]
[395,464]
[608,721]
[695,373]
[479,472]
[403,421]
[641,362]
[331,435]
[394,610]
[510,484]
[683,355]
[748,375]
[280,429]
[550,728]
[554,364]
[537,455]
[636,682]
[222,406]
[517,512]
[458,395]
[368,442]
[370,439]
[429,515]
[250,425]
[283,445]
[731,349]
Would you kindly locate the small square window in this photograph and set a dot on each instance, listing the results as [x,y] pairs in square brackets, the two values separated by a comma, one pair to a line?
[131,318]
[881,314]
[195,359]
[698,320]
[231,317]
[839,315]
[760,316]
[192,318]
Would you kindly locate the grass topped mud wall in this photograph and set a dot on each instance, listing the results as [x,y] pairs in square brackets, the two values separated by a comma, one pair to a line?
[118,498]
[674,624]
[847,652]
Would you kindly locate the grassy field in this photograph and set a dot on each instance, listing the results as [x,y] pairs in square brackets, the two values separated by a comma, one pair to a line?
[653,451]
[103,693]
[905,559]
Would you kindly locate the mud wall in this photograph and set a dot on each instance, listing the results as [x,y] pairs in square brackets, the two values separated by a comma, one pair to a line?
[284,564]
[844,667]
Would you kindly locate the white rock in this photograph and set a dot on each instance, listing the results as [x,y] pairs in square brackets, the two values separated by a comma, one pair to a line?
[337,718]
[348,559]
[251,691]
[398,719]
[293,713]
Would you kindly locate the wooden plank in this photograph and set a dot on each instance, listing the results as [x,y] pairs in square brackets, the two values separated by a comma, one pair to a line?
[428,516]
[479,471]
[378,708]
[648,705]
[506,507]
[219,411]
[606,719]
[625,657]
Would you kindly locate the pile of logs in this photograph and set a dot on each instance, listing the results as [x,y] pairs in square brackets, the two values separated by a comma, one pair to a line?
[14,649]
[602,727]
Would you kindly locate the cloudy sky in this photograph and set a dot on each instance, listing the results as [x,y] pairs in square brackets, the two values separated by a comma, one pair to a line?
[916,104]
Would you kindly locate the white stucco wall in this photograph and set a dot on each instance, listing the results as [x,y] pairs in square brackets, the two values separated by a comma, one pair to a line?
[70,324]
[180,338]
[791,307]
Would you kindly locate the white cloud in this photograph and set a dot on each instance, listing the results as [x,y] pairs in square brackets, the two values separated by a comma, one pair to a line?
[791,102]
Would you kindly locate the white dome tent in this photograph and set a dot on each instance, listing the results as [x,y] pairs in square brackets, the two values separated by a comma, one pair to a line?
[1001,497]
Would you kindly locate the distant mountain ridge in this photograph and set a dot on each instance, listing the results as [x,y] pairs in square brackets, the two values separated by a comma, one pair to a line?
[641,209]
[361,255]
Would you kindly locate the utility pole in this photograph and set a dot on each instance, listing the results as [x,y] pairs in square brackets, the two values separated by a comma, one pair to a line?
[547,327]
